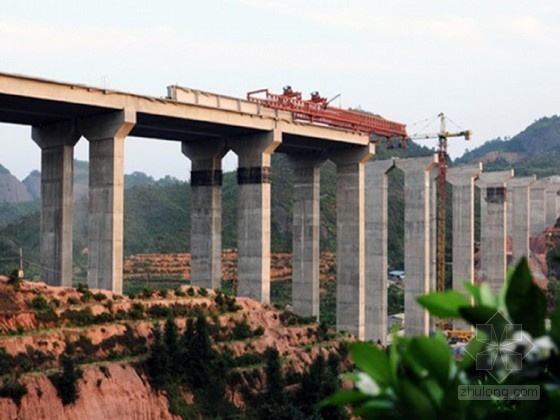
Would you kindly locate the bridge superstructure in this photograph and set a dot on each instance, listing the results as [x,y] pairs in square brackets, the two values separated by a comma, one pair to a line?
[208,126]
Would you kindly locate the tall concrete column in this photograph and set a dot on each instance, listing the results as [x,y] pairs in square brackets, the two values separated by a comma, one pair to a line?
[538,206]
[493,226]
[462,181]
[350,238]
[253,212]
[520,204]
[376,214]
[433,237]
[433,228]
[106,134]
[305,232]
[417,240]
[57,167]
[206,211]
[551,199]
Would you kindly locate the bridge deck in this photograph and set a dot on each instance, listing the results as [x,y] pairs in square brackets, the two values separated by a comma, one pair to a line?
[184,115]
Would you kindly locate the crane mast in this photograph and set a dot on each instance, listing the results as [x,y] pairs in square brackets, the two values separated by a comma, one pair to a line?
[441,233]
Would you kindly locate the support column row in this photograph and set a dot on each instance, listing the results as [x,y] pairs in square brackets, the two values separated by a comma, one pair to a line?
[106,135]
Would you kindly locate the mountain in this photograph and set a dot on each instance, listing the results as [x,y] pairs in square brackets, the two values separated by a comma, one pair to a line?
[11,189]
[536,150]
[33,183]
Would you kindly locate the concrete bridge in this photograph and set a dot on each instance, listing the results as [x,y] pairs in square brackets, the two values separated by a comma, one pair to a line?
[208,126]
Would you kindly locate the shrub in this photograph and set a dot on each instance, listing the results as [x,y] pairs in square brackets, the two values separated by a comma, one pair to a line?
[13,389]
[80,318]
[109,304]
[86,296]
[137,311]
[47,316]
[179,292]
[190,291]
[40,303]
[15,280]
[99,296]
[258,331]
[6,361]
[103,318]
[159,311]
[146,293]
[203,292]
[82,288]
[55,302]
[242,330]
[288,318]
[73,301]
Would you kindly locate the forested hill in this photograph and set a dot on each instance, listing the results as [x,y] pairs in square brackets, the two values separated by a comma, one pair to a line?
[536,150]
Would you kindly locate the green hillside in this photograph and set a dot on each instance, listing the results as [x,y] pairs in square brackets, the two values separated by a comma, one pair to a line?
[540,137]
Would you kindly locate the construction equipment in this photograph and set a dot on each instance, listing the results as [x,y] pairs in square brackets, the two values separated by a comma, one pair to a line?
[442,137]
[317,110]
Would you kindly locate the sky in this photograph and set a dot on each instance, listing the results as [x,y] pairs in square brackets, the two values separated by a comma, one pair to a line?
[491,66]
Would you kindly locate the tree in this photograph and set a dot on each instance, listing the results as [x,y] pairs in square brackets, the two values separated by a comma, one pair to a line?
[66,382]
[158,363]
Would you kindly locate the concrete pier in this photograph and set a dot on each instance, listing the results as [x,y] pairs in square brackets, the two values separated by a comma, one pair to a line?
[376,249]
[417,239]
[538,206]
[106,136]
[206,211]
[433,236]
[350,238]
[57,167]
[305,233]
[462,181]
[493,224]
[552,200]
[433,227]
[520,204]
[253,212]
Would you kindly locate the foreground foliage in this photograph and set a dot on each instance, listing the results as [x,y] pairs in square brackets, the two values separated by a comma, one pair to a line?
[418,377]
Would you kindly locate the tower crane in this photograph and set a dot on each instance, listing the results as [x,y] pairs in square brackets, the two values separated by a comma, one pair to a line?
[442,137]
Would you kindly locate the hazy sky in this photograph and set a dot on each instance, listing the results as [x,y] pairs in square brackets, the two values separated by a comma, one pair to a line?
[491,65]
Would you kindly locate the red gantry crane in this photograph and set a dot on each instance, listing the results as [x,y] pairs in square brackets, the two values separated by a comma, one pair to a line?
[317,110]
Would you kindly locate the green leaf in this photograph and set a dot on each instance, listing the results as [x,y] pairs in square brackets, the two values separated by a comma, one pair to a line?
[474,290]
[526,303]
[343,397]
[444,305]
[478,314]
[555,326]
[369,359]
[417,403]
[434,355]
[375,407]
[471,350]
[486,296]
